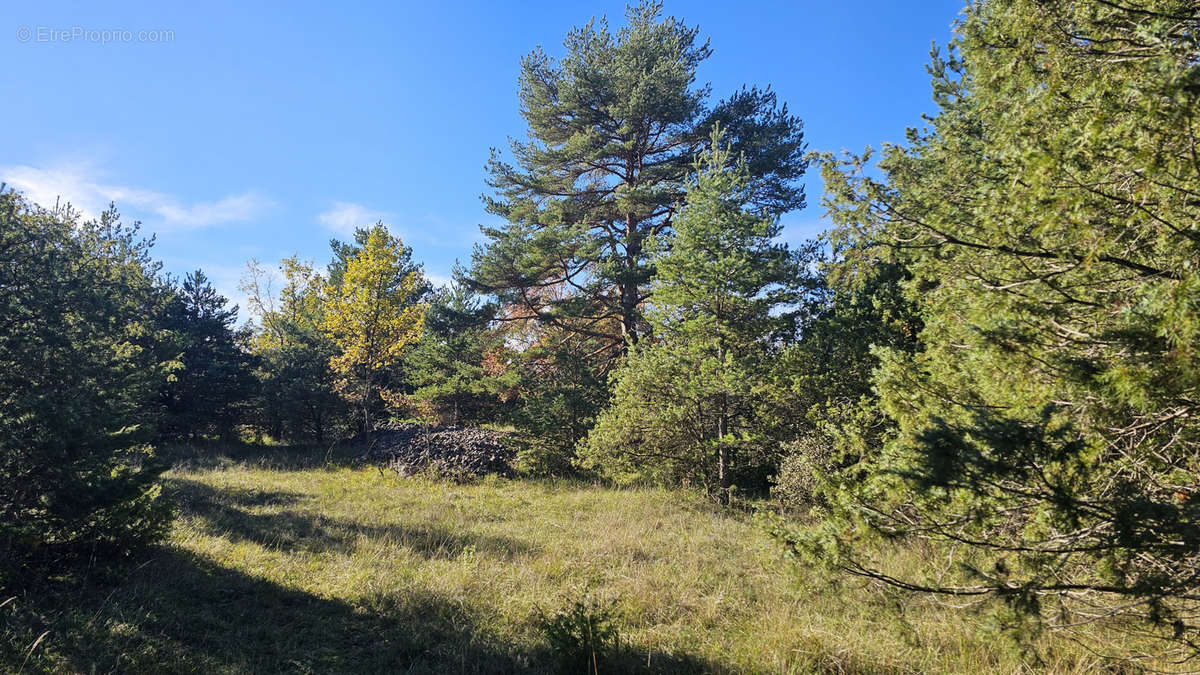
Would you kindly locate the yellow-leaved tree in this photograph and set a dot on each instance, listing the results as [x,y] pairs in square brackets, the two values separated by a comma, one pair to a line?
[371,316]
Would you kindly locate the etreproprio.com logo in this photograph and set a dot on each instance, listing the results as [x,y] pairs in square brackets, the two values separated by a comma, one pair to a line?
[96,35]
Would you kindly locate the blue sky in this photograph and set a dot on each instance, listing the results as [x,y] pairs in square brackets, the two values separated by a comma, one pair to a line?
[238,130]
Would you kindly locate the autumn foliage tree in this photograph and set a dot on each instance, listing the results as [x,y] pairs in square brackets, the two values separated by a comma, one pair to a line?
[297,400]
[371,317]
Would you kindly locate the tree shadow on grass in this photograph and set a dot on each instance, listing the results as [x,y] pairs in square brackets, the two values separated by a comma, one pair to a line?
[213,455]
[225,513]
[180,612]
[183,613]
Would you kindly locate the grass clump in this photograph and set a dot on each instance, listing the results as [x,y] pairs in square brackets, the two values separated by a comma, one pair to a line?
[582,636]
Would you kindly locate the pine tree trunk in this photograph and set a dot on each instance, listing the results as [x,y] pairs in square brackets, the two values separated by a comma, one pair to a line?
[722,460]
[722,421]
[629,288]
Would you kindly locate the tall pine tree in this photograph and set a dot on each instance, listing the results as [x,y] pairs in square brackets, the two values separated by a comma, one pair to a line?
[688,404]
[614,129]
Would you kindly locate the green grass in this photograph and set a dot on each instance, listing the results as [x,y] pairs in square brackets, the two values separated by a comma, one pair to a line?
[292,565]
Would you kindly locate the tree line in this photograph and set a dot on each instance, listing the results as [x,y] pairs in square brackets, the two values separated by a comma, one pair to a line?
[992,353]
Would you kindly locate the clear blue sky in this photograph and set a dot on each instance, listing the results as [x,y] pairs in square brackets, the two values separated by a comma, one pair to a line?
[235,129]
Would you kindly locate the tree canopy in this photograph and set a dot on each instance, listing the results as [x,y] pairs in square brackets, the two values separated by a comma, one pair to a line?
[614,128]
[688,402]
[1045,433]
[371,318]
[80,370]
[211,389]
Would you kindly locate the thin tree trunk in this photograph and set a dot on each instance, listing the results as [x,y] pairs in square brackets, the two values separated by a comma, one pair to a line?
[722,421]
[366,396]
[722,459]
[723,479]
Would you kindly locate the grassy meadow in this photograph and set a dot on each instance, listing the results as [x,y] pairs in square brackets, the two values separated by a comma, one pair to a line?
[289,562]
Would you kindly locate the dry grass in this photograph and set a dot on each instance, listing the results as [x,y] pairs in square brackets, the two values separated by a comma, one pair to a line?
[290,566]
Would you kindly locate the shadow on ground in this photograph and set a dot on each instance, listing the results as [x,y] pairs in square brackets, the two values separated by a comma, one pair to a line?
[224,513]
[212,455]
[181,613]
[178,612]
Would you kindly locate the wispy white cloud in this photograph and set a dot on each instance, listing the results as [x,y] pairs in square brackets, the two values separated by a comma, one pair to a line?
[81,186]
[231,209]
[344,217]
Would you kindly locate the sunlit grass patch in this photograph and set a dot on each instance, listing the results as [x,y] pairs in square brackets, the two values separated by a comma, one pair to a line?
[295,566]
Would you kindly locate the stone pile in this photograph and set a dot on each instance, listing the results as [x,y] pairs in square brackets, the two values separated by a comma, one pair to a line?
[453,451]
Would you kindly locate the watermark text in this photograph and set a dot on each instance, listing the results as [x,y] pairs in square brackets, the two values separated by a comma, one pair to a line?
[102,36]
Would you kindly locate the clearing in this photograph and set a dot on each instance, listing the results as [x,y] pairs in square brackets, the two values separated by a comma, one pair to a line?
[281,562]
